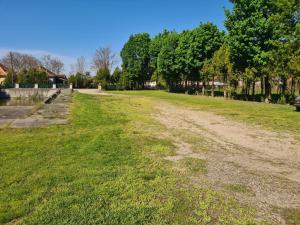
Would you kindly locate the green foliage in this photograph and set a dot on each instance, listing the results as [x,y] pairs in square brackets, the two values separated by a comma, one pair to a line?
[116,76]
[10,79]
[222,65]
[103,77]
[166,60]
[263,38]
[155,47]
[262,45]
[32,76]
[136,59]
[195,47]
[80,80]
[249,33]
[159,79]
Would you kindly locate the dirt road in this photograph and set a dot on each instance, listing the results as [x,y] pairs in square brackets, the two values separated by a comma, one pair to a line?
[258,167]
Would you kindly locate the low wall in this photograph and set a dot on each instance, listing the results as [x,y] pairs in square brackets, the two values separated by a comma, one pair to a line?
[27,92]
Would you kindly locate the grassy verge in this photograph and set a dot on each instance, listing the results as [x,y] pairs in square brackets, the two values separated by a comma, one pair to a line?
[105,167]
[270,116]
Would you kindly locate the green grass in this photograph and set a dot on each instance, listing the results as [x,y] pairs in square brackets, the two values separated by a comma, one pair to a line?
[292,216]
[271,116]
[195,165]
[104,167]
[240,188]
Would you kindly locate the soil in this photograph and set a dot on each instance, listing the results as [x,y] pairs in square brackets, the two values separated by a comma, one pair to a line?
[265,164]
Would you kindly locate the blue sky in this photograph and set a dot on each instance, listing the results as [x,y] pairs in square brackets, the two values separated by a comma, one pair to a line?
[72,28]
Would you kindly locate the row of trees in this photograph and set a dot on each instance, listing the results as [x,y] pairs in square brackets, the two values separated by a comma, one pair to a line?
[103,62]
[16,62]
[260,50]
[24,68]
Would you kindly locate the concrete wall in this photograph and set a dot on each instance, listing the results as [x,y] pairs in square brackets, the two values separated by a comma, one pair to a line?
[27,92]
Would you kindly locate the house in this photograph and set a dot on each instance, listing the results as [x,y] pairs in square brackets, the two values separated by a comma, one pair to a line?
[53,77]
[3,73]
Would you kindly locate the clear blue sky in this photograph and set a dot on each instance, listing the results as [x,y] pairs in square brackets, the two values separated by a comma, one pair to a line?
[73,28]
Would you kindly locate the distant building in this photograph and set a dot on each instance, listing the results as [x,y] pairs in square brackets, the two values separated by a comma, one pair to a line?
[53,77]
[150,84]
[3,73]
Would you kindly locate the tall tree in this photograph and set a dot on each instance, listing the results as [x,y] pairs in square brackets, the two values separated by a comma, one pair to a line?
[103,58]
[155,48]
[80,66]
[222,68]
[103,77]
[136,59]
[197,46]
[166,60]
[53,64]
[116,76]
[286,42]
[250,32]
[16,61]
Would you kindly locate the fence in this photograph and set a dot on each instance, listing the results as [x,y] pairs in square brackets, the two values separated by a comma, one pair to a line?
[27,85]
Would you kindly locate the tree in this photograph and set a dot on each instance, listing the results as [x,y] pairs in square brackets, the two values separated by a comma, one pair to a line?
[166,60]
[286,42]
[155,48]
[81,80]
[195,47]
[80,65]
[136,59]
[103,77]
[206,71]
[250,32]
[32,76]
[222,68]
[53,64]
[16,61]
[103,58]
[10,79]
[116,76]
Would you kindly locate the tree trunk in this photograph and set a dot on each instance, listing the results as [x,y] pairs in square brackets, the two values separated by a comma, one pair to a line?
[293,87]
[267,89]
[262,85]
[203,88]
[213,86]
[253,90]
[284,85]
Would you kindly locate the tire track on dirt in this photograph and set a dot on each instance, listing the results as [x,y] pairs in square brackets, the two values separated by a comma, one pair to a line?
[268,163]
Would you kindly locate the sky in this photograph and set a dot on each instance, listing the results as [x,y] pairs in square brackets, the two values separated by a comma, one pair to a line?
[68,29]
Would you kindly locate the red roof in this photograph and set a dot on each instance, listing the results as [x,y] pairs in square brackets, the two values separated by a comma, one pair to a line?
[4,70]
[52,74]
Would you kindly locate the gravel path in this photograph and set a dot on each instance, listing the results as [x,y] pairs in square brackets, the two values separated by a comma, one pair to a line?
[266,164]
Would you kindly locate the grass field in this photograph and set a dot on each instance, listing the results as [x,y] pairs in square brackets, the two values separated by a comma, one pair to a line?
[106,167]
[269,116]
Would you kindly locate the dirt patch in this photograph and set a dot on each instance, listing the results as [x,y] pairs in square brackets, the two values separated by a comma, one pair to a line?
[261,167]
[91,92]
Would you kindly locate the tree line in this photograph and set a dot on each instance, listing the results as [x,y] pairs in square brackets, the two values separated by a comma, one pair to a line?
[103,63]
[257,56]
[24,69]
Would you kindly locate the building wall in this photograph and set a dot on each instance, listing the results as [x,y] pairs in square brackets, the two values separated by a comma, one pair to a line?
[2,79]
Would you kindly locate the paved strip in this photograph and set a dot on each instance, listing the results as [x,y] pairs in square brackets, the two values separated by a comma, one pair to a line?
[55,113]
